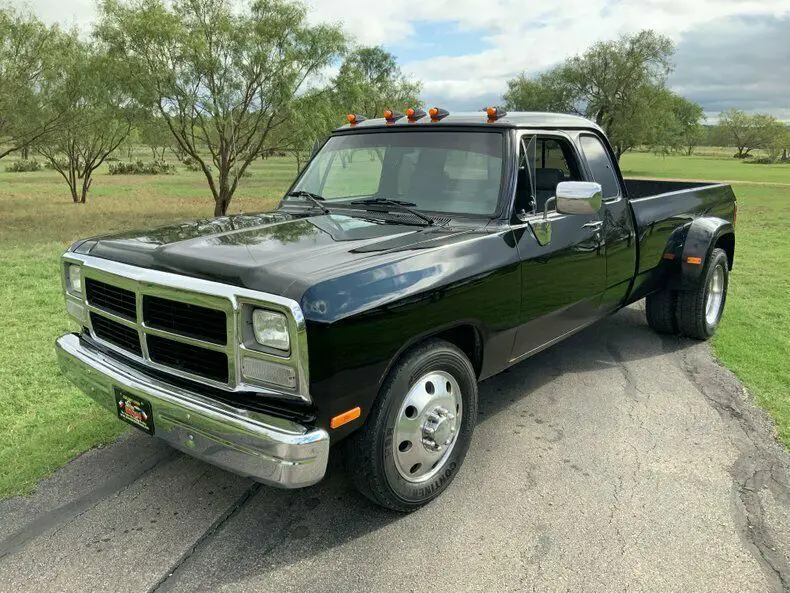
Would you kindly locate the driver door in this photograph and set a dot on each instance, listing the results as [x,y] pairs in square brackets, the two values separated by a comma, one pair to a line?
[563,272]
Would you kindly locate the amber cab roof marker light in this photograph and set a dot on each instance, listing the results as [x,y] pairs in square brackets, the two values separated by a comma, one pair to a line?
[495,113]
[392,116]
[354,119]
[414,114]
[345,417]
[437,113]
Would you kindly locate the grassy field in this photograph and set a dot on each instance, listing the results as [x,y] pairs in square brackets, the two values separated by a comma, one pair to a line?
[754,337]
[46,422]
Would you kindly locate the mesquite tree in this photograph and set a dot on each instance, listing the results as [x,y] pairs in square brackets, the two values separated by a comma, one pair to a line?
[221,79]
[95,116]
[28,58]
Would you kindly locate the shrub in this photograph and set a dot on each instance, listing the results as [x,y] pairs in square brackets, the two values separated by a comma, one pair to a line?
[141,168]
[766,160]
[191,164]
[24,166]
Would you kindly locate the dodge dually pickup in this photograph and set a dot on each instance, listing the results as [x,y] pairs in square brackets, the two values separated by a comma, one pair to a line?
[414,256]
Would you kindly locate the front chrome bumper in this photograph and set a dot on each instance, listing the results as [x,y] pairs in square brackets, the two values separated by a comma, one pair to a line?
[268,449]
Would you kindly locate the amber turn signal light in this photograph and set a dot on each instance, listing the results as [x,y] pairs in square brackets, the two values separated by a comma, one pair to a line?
[694,260]
[345,417]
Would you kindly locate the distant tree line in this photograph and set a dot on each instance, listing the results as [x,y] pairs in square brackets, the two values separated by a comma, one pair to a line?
[622,86]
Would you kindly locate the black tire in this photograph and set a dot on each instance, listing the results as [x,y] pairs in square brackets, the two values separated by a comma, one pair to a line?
[692,319]
[660,310]
[370,453]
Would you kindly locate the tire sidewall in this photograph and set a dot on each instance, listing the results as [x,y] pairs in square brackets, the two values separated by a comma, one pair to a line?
[441,358]
[718,257]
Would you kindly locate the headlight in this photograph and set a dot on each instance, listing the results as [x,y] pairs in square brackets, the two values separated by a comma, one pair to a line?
[74,278]
[271,329]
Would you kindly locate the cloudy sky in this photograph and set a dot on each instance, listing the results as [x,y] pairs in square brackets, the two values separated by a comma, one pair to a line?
[730,53]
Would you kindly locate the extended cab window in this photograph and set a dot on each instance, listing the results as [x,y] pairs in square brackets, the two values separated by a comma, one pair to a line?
[600,166]
[549,160]
[458,171]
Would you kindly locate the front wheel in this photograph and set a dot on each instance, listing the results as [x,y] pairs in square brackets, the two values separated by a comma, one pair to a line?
[700,309]
[417,434]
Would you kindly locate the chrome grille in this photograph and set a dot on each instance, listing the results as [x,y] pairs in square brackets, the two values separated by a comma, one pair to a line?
[111,298]
[188,327]
[192,359]
[116,333]
[188,320]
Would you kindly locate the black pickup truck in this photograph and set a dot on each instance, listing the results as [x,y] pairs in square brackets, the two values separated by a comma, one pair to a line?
[415,256]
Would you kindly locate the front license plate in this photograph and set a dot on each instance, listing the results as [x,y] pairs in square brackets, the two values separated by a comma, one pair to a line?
[134,410]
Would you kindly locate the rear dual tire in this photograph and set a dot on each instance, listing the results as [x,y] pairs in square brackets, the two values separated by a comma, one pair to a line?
[695,312]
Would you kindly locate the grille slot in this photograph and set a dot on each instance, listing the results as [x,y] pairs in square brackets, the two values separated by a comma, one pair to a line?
[116,333]
[186,319]
[111,298]
[185,357]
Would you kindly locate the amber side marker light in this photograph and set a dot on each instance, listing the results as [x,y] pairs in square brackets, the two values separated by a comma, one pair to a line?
[437,113]
[345,417]
[694,260]
[669,256]
[414,114]
[494,113]
[392,116]
[354,119]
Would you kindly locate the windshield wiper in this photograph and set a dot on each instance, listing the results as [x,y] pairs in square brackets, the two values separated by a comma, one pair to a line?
[393,205]
[315,199]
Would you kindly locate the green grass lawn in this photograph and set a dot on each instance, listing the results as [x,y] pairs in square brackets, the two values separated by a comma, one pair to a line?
[46,422]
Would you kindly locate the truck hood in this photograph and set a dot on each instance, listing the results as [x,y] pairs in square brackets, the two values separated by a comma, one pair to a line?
[277,252]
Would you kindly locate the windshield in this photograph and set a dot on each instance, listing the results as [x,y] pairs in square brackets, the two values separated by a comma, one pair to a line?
[458,172]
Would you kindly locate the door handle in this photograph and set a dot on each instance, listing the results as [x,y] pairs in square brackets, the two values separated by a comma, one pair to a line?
[593,225]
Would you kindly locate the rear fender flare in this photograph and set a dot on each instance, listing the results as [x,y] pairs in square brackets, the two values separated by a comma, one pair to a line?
[702,236]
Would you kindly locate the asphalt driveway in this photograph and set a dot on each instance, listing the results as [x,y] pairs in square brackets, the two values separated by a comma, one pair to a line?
[617,460]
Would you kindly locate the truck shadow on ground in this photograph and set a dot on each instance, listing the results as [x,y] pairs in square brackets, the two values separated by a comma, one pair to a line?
[274,529]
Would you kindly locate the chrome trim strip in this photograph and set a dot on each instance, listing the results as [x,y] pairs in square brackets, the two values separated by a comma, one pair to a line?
[272,450]
[152,331]
[206,293]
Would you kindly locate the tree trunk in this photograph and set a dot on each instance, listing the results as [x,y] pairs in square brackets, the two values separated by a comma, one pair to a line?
[25,152]
[221,206]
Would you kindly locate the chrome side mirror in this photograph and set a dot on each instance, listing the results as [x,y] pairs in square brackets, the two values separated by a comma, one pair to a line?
[579,197]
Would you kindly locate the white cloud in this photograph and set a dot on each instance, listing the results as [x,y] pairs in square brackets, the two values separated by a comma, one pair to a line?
[519,34]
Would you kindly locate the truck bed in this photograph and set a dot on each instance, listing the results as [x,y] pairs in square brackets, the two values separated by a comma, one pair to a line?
[660,207]
[645,188]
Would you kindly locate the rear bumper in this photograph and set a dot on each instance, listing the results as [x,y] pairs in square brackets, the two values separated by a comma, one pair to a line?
[268,449]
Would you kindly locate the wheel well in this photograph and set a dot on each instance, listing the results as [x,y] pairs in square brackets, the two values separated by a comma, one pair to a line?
[727,243]
[467,339]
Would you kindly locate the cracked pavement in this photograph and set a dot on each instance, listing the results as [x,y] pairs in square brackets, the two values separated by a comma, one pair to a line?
[617,460]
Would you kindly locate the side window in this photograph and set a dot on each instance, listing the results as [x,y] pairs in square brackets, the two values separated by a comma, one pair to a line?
[551,160]
[600,166]
[555,162]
